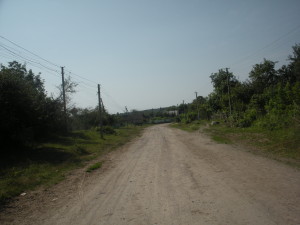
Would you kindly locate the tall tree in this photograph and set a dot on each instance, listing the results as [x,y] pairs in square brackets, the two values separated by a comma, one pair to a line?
[26,114]
[263,75]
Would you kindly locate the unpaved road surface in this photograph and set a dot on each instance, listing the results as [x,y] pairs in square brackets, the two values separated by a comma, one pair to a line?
[168,176]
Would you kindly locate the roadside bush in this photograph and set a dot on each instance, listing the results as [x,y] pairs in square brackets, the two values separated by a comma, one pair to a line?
[27,114]
[107,130]
[248,118]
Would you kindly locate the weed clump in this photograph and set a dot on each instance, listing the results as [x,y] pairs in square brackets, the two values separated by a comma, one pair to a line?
[94,167]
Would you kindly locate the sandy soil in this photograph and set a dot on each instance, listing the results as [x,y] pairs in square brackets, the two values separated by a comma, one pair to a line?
[168,176]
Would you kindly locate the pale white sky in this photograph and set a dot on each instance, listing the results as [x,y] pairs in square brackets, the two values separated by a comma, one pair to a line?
[147,54]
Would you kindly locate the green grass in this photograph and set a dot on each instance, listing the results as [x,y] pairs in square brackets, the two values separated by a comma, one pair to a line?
[282,145]
[190,127]
[49,162]
[94,167]
[221,139]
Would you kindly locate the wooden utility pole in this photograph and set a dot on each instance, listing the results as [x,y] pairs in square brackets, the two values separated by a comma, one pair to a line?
[100,111]
[64,95]
[126,115]
[228,86]
[197,104]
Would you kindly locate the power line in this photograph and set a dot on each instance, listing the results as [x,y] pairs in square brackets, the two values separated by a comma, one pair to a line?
[84,85]
[7,56]
[27,59]
[116,105]
[15,53]
[29,51]
[82,82]
[18,51]
[34,61]
[32,64]
[113,100]
[18,55]
[30,61]
[81,77]
[87,85]
[12,54]
[266,46]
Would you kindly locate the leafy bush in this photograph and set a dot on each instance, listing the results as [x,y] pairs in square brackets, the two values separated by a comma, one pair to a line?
[107,130]
[248,118]
[26,114]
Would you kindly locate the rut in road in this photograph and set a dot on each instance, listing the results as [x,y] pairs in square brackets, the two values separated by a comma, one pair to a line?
[168,176]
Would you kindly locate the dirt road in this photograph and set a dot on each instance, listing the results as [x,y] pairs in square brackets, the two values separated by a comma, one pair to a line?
[168,176]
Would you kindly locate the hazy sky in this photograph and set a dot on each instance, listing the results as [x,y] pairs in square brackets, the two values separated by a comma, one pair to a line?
[147,54]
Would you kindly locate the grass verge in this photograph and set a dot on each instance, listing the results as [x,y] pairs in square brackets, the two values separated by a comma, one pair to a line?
[282,145]
[190,127]
[49,162]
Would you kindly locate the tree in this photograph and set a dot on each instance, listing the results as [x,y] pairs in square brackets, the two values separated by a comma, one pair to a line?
[263,75]
[223,82]
[26,114]
[70,88]
[295,63]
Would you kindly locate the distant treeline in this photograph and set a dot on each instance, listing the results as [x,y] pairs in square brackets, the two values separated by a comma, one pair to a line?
[269,98]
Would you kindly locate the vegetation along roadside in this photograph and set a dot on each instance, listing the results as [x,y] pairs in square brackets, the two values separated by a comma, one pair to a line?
[282,145]
[262,111]
[43,136]
[48,162]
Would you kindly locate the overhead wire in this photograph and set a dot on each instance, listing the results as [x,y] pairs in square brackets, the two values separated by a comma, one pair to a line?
[14,53]
[105,92]
[80,76]
[18,55]
[6,56]
[27,62]
[11,50]
[29,51]
[266,46]
[103,89]
[19,52]
[271,54]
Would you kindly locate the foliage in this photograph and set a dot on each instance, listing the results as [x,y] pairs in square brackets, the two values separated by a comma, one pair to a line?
[263,111]
[27,114]
[48,162]
[268,99]
[281,144]
[94,167]
[190,127]
[107,130]
[70,88]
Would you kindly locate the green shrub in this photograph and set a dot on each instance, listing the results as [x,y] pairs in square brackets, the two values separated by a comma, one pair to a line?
[107,130]
[248,118]
[94,167]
